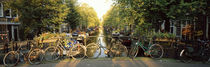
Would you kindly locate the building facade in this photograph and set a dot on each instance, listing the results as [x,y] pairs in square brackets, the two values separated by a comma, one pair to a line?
[9,24]
[200,28]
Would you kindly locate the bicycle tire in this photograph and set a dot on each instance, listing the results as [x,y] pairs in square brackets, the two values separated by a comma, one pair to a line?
[119,50]
[93,50]
[78,52]
[157,54]
[133,51]
[12,57]
[35,56]
[52,53]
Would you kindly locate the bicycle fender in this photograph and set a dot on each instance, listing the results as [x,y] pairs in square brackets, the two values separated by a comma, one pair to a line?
[181,53]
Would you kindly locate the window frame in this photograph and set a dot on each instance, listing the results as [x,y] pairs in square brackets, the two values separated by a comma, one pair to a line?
[2,9]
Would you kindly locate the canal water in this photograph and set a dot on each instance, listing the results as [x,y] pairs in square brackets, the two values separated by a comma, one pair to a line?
[103,44]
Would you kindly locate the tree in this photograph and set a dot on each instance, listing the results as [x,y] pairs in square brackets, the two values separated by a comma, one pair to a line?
[73,17]
[39,16]
[88,16]
[154,12]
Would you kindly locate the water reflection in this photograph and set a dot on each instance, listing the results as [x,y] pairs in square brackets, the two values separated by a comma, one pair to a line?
[102,44]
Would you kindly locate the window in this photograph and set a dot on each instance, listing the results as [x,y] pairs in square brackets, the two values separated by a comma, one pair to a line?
[178,28]
[172,26]
[8,13]
[1,10]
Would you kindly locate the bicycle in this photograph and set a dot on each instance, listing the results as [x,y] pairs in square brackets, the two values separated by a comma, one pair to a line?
[93,49]
[55,52]
[116,49]
[33,56]
[78,51]
[191,53]
[154,50]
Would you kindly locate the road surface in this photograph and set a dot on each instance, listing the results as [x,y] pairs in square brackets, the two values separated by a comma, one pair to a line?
[117,62]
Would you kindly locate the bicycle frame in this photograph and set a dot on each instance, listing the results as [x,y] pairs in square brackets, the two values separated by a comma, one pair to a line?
[60,43]
[145,49]
[22,54]
[63,48]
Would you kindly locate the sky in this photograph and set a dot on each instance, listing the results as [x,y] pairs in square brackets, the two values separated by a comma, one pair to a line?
[100,6]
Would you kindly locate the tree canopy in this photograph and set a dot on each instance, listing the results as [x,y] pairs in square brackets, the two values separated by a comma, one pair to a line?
[152,13]
[38,16]
[89,17]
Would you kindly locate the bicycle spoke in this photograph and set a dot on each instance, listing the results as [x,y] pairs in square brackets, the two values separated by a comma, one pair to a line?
[119,50]
[156,51]
[52,53]
[77,52]
[93,50]
[133,52]
[35,56]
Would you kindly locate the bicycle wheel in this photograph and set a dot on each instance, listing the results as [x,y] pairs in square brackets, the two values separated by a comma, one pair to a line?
[78,51]
[52,53]
[35,56]
[156,51]
[133,51]
[11,59]
[119,50]
[93,50]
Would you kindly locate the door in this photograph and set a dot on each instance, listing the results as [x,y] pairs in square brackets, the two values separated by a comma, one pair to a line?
[16,34]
